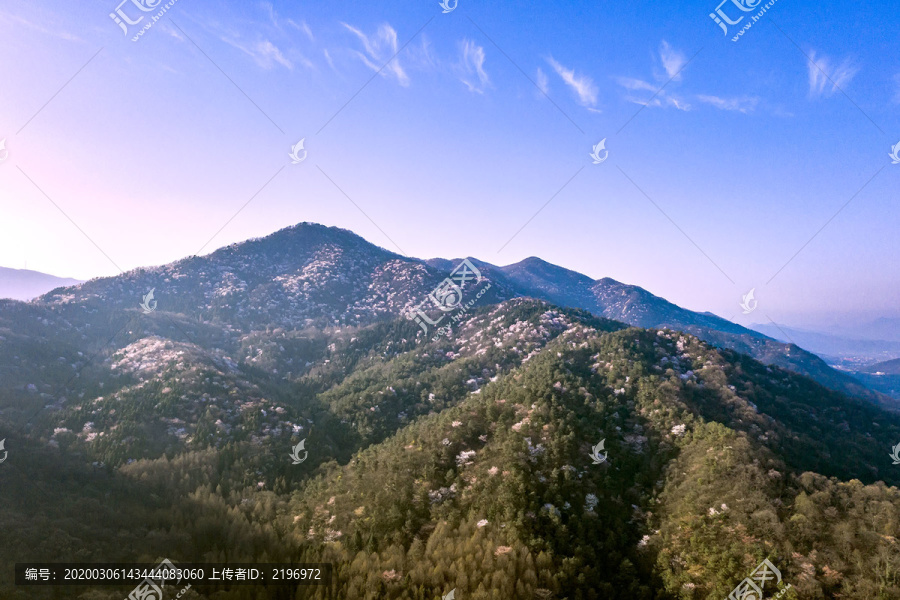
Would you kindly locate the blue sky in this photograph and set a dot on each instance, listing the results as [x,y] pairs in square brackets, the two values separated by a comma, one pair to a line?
[725,158]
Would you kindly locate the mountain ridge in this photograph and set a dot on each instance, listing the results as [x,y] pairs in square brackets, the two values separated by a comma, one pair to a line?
[313,274]
[25,284]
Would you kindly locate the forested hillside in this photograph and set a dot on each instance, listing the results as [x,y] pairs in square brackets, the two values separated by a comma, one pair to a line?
[463,463]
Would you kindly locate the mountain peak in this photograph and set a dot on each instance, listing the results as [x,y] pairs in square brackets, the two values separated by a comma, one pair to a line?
[305,235]
[539,272]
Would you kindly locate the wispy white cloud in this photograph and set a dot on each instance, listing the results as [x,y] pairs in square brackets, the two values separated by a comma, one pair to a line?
[269,9]
[53,32]
[661,100]
[825,78]
[543,82]
[672,60]
[381,47]
[420,55]
[678,103]
[660,94]
[582,85]
[276,22]
[744,104]
[265,53]
[630,83]
[657,97]
[303,27]
[262,40]
[268,53]
[471,66]
[164,26]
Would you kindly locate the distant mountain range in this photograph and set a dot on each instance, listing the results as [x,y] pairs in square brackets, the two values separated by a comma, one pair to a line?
[882,328]
[872,362]
[568,438]
[888,367]
[22,284]
[850,352]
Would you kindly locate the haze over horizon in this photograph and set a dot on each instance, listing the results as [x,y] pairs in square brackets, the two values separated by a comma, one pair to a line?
[731,165]
[851,330]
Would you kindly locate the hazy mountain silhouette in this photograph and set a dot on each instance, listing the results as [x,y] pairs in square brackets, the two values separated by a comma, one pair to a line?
[23,284]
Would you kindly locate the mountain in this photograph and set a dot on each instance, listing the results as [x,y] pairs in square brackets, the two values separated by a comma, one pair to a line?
[847,352]
[22,284]
[636,306]
[861,359]
[888,367]
[882,376]
[627,303]
[300,276]
[532,451]
[462,463]
[311,275]
[882,328]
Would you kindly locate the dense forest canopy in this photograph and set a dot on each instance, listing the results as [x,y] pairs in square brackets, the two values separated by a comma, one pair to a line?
[462,464]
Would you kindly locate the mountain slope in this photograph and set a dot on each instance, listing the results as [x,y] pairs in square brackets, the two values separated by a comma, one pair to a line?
[636,306]
[499,495]
[23,284]
[434,463]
